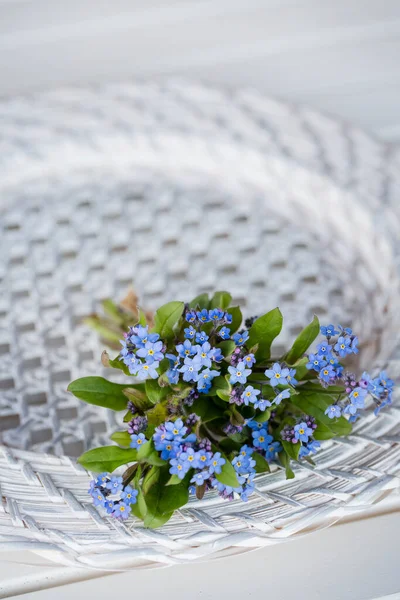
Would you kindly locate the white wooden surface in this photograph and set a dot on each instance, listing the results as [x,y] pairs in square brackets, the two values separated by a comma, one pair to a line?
[341,57]
[354,561]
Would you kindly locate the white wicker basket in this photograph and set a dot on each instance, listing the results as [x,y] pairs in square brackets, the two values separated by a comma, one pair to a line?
[183,189]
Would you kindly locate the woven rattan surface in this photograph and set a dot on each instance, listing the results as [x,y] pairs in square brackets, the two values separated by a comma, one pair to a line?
[182,189]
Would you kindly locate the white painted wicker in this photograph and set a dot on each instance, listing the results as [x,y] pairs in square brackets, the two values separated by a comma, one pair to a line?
[182,188]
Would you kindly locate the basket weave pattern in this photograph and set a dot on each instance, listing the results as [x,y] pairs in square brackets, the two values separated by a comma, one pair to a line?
[183,189]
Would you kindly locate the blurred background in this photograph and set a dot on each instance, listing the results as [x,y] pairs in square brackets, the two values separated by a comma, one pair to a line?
[341,57]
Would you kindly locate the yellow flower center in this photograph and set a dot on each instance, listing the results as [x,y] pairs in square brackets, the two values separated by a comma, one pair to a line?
[151,352]
[278,375]
[261,438]
[239,373]
[342,346]
[301,431]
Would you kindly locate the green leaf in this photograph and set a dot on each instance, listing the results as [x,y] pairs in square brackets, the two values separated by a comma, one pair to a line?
[221,300]
[139,509]
[237,318]
[285,461]
[166,318]
[107,458]
[263,332]
[118,364]
[148,454]
[228,474]
[263,416]
[136,394]
[162,500]
[205,408]
[292,450]
[142,318]
[174,480]
[262,465]
[150,479]
[122,438]
[227,348]
[221,388]
[157,415]
[303,342]
[201,301]
[315,404]
[154,392]
[99,391]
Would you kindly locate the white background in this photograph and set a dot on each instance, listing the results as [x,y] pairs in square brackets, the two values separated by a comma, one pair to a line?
[339,56]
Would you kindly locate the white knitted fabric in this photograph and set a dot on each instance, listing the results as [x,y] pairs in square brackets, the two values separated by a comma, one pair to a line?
[181,189]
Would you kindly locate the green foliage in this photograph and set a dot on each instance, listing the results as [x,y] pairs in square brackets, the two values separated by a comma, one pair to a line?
[315,403]
[262,465]
[166,319]
[147,454]
[122,438]
[292,450]
[99,391]
[154,392]
[201,301]
[263,332]
[285,462]
[221,300]
[228,474]
[205,408]
[221,388]
[137,394]
[303,342]
[107,458]
[162,500]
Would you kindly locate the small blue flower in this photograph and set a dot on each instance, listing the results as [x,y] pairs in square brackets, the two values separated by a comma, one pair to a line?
[200,477]
[217,355]
[188,458]
[142,336]
[216,462]
[273,450]
[239,374]
[345,330]
[203,386]
[313,446]
[115,484]
[190,369]
[129,495]
[137,440]
[203,316]
[175,430]
[121,510]
[205,354]
[240,338]
[277,375]
[98,498]
[357,397]
[151,352]
[101,479]
[386,402]
[291,379]
[302,432]
[254,425]
[327,373]
[316,362]
[147,370]
[173,376]
[304,451]
[246,450]
[333,411]
[191,316]
[228,318]
[190,333]
[350,409]
[261,439]
[384,380]
[343,346]
[283,395]
[109,506]
[201,337]
[328,330]
[207,375]
[186,349]
[243,464]
[216,314]
[224,333]
[249,395]
[178,468]
[168,448]
[202,459]
[249,360]
[262,404]
[324,349]
[354,344]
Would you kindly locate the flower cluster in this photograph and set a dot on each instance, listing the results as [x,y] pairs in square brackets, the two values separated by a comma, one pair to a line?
[142,352]
[212,409]
[109,493]
[302,432]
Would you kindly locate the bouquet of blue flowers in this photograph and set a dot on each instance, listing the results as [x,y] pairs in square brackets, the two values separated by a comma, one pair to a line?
[207,407]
